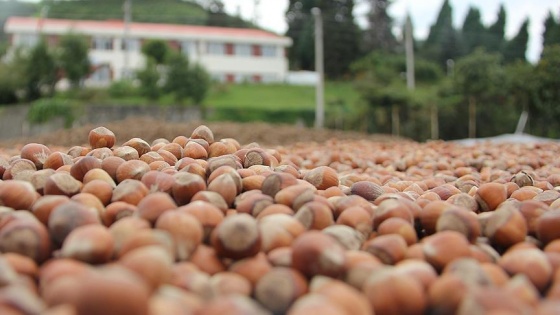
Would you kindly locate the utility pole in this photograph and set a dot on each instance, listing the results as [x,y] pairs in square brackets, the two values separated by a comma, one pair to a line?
[127,8]
[319,68]
[256,16]
[42,16]
[409,46]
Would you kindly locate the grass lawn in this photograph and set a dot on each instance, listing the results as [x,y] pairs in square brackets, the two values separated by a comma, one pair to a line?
[279,96]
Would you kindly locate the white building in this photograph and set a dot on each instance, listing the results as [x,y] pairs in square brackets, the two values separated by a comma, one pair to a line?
[229,54]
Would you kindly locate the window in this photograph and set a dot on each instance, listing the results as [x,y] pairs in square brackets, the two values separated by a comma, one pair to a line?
[102,43]
[131,44]
[269,51]
[102,74]
[219,77]
[186,47]
[269,78]
[242,50]
[216,49]
[28,40]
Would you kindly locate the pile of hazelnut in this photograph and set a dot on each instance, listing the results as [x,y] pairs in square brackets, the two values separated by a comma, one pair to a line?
[196,225]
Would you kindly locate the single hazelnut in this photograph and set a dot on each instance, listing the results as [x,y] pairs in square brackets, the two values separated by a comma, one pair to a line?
[316,253]
[36,153]
[89,243]
[279,288]
[101,137]
[237,237]
[186,231]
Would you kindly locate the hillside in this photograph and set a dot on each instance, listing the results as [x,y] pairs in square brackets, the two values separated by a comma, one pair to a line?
[161,11]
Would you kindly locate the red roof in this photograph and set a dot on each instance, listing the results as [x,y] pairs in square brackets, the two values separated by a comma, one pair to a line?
[139,27]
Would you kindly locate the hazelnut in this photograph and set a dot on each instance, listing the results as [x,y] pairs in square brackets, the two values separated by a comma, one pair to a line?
[110,165]
[185,229]
[117,291]
[126,153]
[237,237]
[275,182]
[57,159]
[316,253]
[390,248]
[208,214]
[17,194]
[101,137]
[44,205]
[229,283]
[211,197]
[206,259]
[349,238]
[141,146]
[130,191]
[460,220]
[195,150]
[315,304]
[279,288]
[531,262]
[185,186]
[152,263]
[89,243]
[79,169]
[100,189]
[252,268]
[443,247]
[490,195]
[67,217]
[279,230]
[347,297]
[203,132]
[133,169]
[400,226]
[390,292]
[154,205]
[506,227]
[25,236]
[62,184]
[315,215]
[158,181]
[36,153]
[322,177]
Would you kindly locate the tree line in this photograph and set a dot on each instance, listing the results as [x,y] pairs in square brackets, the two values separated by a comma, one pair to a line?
[472,81]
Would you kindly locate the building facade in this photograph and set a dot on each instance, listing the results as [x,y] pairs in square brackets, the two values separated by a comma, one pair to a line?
[229,54]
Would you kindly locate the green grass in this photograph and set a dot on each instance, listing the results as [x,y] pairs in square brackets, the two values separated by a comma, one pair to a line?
[279,96]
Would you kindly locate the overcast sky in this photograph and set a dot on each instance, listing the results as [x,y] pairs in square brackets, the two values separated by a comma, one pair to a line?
[270,15]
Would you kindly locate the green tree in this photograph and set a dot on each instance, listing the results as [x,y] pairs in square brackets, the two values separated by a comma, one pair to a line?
[341,40]
[379,33]
[156,49]
[8,86]
[382,89]
[199,82]
[547,76]
[516,48]
[185,80]
[495,38]
[149,78]
[551,34]
[522,87]
[177,76]
[473,31]
[442,43]
[478,77]
[73,58]
[40,72]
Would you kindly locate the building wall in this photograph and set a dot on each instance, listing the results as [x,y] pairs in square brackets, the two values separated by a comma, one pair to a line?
[227,58]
